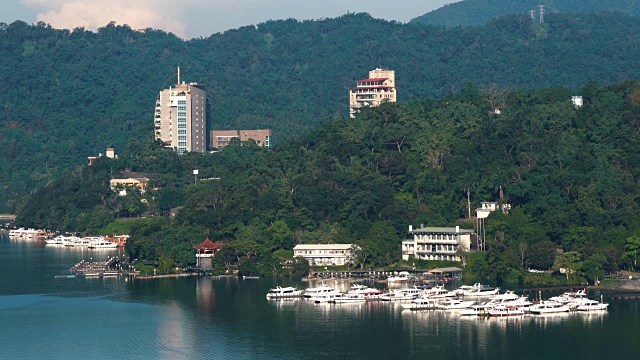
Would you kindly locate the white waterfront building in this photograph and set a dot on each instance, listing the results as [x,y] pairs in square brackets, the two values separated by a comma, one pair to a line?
[324,254]
[436,243]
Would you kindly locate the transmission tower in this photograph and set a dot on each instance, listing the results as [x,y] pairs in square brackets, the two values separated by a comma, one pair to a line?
[541,10]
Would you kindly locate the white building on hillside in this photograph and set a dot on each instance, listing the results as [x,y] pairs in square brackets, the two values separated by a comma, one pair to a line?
[436,243]
[324,254]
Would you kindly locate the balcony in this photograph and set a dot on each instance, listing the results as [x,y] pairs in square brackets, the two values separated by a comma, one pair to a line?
[436,241]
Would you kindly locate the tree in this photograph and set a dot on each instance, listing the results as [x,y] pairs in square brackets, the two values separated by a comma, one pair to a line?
[632,251]
[165,265]
[300,267]
[592,267]
[570,261]
[542,255]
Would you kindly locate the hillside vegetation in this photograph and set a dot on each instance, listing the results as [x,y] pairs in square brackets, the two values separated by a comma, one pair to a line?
[480,12]
[571,176]
[71,94]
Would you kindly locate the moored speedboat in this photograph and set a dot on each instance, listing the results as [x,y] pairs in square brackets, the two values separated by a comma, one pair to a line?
[502,310]
[284,292]
[400,295]
[548,307]
[456,304]
[481,290]
[349,298]
[421,303]
[322,289]
[591,305]
[403,276]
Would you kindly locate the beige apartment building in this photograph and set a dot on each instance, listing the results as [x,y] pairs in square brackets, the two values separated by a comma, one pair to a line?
[222,138]
[378,88]
[180,117]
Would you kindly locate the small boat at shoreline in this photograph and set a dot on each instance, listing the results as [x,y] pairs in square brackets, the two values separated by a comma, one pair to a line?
[591,305]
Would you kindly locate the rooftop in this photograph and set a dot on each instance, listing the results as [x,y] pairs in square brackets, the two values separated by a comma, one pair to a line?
[322,247]
[373,80]
[441,230]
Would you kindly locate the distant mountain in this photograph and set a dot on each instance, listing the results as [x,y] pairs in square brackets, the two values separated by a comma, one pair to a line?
[479,12]
[71,94]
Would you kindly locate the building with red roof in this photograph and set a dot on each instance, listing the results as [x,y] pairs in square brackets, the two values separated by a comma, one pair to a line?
[205,253]
[379,87]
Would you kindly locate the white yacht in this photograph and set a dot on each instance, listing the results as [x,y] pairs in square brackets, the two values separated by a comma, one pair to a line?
[481,290]
[478,309]
[349,298]
[548,307]
[403,276]
[502,310]
[591,305]
[326,297]
[421,303]
[438,292]
[401,294]
[456,304]
[507,296]
[284,292]
[102,244]
[463,288]
[322,289]
[569,297]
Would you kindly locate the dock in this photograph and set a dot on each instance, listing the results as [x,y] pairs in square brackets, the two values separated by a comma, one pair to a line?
[110,267]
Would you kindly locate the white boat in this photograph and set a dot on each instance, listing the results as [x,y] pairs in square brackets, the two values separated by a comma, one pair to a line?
[456,304]
[322,289]
[507,296]
[102,245]
[58,240]
[325,297]
[570,297]
[502,310]
[421,303]
[478,309]
[401,294]
[403,276]
[284,292]
[438,292]
[462,289]
[548,307]
[349,298]
[591,305]
[481,290]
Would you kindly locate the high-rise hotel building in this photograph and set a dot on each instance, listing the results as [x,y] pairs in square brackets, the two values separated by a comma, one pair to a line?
[180,117]
[378,88]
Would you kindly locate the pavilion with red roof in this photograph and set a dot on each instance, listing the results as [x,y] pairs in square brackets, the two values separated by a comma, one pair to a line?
[205,253]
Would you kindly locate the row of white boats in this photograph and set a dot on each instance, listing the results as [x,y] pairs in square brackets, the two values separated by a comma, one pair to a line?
[27,233]
[91,242]
[467,300]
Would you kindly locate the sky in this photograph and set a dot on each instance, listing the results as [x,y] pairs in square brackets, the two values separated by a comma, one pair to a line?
[200,18]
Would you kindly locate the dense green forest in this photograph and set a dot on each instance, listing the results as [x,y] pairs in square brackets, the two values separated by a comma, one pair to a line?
[74,93]
[571,175]
[479,12]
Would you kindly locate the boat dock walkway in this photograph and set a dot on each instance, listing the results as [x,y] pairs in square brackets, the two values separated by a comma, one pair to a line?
[108,267]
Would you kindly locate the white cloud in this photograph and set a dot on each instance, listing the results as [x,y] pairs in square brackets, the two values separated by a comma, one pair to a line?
[93,14]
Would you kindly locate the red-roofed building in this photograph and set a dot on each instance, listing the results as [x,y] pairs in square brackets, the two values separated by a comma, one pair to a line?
[378,88]
[205,253]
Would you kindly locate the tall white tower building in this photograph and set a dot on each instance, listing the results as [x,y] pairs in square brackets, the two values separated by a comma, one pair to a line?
[180,117]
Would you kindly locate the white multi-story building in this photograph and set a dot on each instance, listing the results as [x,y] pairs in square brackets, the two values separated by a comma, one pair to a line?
[324,254]
[180,117]
[436,243]
[378,88]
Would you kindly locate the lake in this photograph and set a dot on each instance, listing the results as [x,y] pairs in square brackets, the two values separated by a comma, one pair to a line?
[201,318]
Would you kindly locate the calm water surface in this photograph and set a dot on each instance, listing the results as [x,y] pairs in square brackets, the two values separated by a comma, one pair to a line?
[45,317]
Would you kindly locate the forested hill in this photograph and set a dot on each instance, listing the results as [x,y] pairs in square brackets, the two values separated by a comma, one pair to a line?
[479,12]
[570,175]
[71,94]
